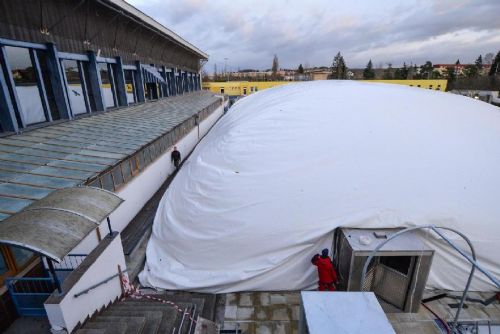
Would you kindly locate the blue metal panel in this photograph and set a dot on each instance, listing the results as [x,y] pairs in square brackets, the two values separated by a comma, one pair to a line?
[95,82]
[163,72]
[106,60]
[29,293]
[56,77]
[22,44]
[24,191]
[129,67]
[85,90]
[73,56]
[12,88]
[172,82]
[41,85]
[112,82]
[121,89]
[139,80]
[13,205]
[7,115]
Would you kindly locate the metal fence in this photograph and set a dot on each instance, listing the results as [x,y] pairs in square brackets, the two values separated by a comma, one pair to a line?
[29,293]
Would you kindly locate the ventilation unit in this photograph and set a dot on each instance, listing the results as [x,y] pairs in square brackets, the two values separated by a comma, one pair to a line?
[397,274]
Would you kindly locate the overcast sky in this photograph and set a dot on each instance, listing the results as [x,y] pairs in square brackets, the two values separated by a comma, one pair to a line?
[311,32]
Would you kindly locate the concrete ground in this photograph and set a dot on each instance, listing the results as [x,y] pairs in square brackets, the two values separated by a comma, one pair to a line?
[29,325]
[279,312]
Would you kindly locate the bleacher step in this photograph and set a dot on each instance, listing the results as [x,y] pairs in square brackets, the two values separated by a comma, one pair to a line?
[152,318]
[110,327]
[90,331]
[135,325]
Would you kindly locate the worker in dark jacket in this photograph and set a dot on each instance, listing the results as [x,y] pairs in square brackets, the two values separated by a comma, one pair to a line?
[326,272]
[176,157]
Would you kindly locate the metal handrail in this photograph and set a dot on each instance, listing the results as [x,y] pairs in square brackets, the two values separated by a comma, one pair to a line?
[472,260]
[76,295]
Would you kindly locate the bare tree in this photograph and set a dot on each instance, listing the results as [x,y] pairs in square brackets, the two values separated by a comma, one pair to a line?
[488,58]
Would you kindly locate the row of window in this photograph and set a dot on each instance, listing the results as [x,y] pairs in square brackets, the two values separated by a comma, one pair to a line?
[31,85]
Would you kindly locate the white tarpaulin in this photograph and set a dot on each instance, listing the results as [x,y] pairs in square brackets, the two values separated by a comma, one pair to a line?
[263,191]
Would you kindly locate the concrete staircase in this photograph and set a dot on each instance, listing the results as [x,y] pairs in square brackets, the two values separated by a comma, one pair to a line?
[145,316]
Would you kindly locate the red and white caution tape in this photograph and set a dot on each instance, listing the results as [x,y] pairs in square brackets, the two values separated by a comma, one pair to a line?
[133,291]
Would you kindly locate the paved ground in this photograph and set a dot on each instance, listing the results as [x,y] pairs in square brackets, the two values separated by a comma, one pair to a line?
[279,312]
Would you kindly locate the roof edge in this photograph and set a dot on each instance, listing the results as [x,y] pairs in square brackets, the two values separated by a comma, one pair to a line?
[125,6]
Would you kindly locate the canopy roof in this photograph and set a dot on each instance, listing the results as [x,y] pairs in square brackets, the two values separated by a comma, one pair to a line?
[56,224]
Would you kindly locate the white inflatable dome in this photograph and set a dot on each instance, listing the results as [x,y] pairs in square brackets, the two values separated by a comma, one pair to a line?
[267,186]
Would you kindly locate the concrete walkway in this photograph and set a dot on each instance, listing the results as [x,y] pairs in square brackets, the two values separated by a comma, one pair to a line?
[279,312]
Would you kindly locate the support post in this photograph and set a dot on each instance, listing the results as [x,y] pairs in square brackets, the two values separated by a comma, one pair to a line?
[40,85]
[7,116]
[139,83]
[121,87]
[54,275]
[109,225]
[173,75]
[163,72]
[12,88]
[57,81]
[95,83]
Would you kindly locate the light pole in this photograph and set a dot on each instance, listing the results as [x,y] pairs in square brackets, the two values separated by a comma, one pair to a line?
[225,68]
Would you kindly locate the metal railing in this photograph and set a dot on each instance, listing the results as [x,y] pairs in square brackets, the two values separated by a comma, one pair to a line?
[29,293]
[70,262]
[92,287]
[471,258]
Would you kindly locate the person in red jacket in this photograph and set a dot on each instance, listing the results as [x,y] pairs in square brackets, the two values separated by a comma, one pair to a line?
[326,272]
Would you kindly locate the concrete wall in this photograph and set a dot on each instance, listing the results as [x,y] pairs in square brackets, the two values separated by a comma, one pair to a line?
[141,188]
[66,311]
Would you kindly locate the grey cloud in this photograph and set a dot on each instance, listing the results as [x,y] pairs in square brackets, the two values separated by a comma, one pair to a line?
[250,33]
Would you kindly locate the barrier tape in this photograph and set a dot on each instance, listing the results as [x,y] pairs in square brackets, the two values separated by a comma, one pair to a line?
[133,292]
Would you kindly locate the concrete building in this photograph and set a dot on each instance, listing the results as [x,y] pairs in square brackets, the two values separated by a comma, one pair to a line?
[92,94]
[243,88]
[442,69]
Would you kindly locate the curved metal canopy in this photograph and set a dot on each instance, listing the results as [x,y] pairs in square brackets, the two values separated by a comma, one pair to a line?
[56,224]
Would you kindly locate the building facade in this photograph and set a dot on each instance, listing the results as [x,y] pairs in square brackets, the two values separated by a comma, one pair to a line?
[243,88]
[66,59]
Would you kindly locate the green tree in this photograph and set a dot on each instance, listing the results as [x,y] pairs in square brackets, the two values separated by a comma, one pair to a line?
[339,68]
[495,66]
[215,72]
[471,71]
[479,62]
[404,72]
[368,72]
[275,67]
[436,75]
[388,72]
[426,70]
[450,74]
[416,73]
[300,70]
[401,73]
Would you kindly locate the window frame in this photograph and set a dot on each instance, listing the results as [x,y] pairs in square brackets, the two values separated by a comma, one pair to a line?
[13,267]
[11,86]
[83,83]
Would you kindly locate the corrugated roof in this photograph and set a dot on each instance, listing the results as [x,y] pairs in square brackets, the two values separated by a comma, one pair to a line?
[67,154]
[56,224]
